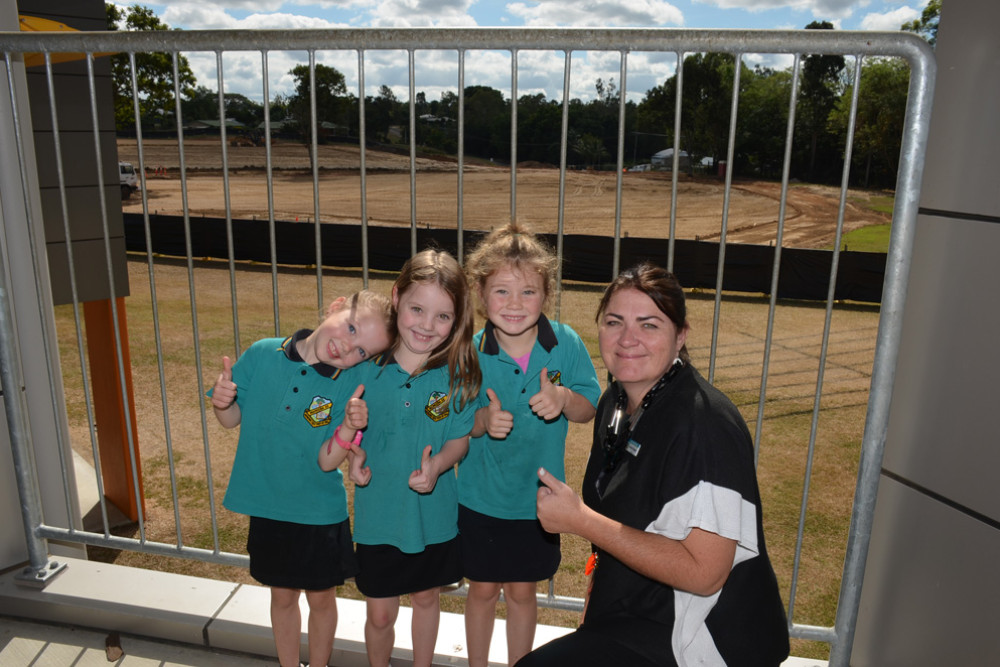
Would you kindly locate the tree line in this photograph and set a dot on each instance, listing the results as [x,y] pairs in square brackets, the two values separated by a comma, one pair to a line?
[819,134]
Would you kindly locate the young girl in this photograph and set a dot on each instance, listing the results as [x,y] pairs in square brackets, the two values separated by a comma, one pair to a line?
[406,509]
[287,394]
[537,376]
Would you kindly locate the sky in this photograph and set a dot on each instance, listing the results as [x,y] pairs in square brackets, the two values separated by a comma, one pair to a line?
[538,71]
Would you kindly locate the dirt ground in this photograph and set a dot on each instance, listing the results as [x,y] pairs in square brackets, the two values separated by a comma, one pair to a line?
[753,207]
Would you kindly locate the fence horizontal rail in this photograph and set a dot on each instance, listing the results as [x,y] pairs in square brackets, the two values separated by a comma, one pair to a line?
[906,45]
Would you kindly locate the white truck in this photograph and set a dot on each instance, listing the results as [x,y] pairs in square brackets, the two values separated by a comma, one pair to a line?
[128,179]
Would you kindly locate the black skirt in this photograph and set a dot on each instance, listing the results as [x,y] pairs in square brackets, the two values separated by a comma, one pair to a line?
[300,556]
[388,572]
[506,550]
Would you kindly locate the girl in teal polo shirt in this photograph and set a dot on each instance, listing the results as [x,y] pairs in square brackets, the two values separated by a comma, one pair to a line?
[537,377]
[406,502]
[287,395]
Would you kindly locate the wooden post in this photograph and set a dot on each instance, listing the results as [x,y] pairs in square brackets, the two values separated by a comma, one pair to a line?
[109,404]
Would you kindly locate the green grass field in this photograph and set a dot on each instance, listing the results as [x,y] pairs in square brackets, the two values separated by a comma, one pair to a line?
[743,322]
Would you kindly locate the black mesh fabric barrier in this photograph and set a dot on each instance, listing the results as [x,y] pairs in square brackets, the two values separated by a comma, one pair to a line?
[805,274]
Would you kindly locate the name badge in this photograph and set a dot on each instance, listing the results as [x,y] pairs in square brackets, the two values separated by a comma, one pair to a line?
[633,447]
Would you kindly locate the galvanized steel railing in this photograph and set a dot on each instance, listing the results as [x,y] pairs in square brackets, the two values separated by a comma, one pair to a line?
[623,42]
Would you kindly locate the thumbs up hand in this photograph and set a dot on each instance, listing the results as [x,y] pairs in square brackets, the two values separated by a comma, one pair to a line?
[355,412]
[558,507]
[357,471]
[224,391]
[499,422]
[550,400]
[425,479]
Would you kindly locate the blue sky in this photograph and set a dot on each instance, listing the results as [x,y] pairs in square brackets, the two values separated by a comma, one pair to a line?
[538,71]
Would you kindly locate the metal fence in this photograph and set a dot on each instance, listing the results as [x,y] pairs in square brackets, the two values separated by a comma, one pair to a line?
[624,43]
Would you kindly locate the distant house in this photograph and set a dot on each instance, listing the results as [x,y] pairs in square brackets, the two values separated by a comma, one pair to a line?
[231,124]
[665,159]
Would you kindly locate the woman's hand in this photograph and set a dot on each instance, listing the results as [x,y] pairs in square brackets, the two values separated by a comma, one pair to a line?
[558,506]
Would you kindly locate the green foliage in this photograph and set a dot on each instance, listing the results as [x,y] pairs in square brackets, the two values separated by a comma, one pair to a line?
[154,73]
[762,122]
[927,25]
[878,129]
[590,148]
[821,112]
[333,105]
[819,89]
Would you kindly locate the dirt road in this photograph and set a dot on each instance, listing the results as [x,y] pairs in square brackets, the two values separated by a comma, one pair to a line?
[590,202]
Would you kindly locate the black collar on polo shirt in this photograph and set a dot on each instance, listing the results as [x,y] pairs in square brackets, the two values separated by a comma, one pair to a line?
[546,337]
[292,353]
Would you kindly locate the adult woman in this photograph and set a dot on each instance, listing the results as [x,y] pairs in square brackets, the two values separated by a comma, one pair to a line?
[670,503]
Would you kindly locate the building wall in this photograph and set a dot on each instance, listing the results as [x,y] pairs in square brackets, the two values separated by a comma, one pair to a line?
[931,589]
[26,287]
[76,139]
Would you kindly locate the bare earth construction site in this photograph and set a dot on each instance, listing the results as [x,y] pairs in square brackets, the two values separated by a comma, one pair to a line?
[590,202]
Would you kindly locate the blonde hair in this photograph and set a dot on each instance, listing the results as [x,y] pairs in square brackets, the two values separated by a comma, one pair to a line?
[516,246]
[375,303]
[439,268]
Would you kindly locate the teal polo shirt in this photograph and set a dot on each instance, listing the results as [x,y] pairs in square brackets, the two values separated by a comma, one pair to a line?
[499,478]
[405,414]
[288,409]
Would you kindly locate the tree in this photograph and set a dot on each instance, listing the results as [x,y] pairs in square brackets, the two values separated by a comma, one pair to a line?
[539,128]
[879,123]
[763,119]
[590,148]
[487,123]
[706,99]
[332,103]
[927,25]
[154,72]
[382,112]
[818,93]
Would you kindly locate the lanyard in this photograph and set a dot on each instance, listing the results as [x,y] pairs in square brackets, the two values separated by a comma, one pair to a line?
[616,437]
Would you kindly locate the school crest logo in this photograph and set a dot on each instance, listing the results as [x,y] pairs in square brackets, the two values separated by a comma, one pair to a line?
[318,412]
[555,377]
[437,406]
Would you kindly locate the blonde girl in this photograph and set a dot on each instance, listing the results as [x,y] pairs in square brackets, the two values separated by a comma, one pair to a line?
[287,395]
[537,377]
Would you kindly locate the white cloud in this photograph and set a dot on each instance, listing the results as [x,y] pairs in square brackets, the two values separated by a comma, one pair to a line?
[827,10]
[207,16]
[248,5]
[891,20]
[420,13]
[597,13]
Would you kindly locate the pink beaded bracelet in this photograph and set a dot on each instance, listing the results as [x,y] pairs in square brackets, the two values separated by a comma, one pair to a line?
[343,443]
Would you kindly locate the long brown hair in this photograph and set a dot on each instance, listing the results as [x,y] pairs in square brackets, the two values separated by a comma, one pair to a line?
[439,268]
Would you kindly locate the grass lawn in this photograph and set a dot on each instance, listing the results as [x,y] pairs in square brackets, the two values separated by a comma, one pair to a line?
[743,321]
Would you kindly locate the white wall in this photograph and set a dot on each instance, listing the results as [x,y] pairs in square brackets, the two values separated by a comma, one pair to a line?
[931,586]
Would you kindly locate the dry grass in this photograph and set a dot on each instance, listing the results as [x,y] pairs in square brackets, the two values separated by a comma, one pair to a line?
[785,433]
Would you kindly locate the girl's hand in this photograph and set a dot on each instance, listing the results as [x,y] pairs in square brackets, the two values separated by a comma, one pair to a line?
[358,472]
[499,422]
[425,479]
[356,411]
[550,400]
[224,391]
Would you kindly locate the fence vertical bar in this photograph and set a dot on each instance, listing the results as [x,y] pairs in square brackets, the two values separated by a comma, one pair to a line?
[916,126]
[40,569]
